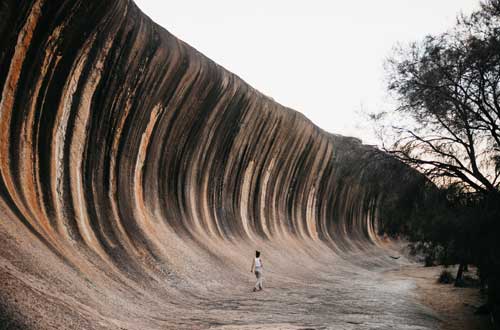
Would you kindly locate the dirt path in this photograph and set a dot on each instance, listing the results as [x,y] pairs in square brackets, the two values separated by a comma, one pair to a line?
[454,306]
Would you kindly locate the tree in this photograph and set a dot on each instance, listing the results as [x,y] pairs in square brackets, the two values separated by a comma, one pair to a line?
[447,125]
[448,89]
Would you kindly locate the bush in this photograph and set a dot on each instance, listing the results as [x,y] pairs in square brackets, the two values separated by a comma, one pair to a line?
[471,281]
[446,277]
[428,261]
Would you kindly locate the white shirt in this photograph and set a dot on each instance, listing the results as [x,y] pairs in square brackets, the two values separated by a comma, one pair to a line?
[258,264]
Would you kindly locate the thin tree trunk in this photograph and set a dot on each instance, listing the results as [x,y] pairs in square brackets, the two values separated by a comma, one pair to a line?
[460,273]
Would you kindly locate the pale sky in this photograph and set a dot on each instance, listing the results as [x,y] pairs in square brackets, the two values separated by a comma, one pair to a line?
[322,58]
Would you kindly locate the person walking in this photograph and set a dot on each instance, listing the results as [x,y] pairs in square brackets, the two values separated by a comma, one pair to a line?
[257,268]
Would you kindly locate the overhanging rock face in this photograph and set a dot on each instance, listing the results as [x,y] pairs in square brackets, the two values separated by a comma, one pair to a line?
[131,164]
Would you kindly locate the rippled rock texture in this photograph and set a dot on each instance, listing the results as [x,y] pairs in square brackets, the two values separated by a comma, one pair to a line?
[137,177]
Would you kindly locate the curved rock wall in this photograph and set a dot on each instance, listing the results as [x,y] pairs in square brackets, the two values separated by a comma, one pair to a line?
[132,159]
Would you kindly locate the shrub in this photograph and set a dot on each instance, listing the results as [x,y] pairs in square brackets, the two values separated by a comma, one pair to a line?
[446,277]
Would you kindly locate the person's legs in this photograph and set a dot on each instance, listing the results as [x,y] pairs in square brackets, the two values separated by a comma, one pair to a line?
[258,284]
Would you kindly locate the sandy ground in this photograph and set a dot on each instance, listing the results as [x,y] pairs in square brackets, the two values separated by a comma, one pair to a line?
[454,306]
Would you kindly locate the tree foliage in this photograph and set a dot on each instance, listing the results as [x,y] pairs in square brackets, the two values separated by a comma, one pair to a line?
[447,125]
[448,87]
